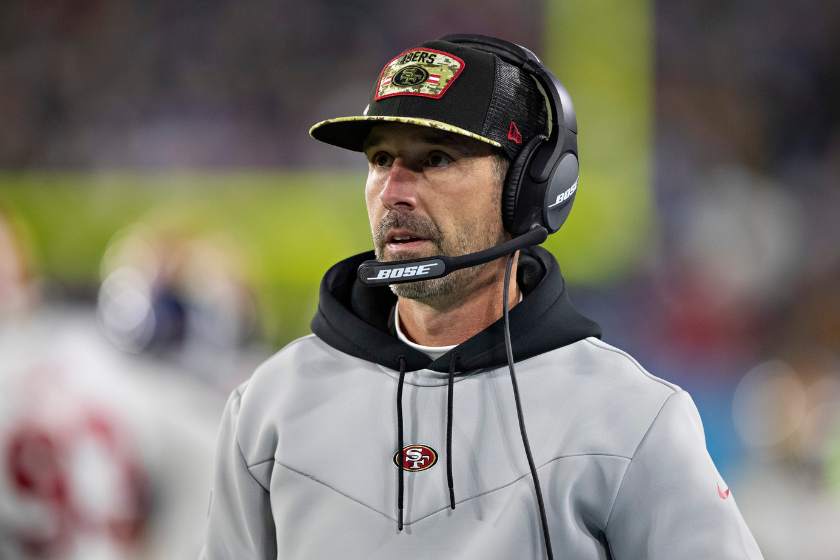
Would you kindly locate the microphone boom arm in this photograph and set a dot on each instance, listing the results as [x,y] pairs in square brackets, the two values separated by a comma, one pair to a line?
[376,273]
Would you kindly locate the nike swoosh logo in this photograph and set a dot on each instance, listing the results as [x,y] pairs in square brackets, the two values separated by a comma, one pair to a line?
[723,495]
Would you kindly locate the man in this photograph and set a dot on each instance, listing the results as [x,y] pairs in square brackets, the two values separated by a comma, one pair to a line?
[336,447]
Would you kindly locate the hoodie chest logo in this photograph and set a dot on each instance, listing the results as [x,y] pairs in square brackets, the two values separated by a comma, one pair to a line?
[416,458]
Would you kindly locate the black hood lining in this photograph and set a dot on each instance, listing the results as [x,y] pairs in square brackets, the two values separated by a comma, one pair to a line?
[353,318]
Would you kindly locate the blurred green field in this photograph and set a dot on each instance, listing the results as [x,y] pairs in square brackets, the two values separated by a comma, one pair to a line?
[291,227]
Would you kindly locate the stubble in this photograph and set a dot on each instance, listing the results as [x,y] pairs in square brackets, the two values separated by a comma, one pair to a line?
[471,238]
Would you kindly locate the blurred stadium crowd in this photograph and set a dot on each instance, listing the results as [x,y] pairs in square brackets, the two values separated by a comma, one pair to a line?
[111,391]
[190,83]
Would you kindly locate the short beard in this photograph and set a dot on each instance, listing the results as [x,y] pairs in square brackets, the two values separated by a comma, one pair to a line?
[439,292]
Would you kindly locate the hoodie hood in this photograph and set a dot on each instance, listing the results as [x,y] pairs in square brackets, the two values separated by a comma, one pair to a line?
[357,319]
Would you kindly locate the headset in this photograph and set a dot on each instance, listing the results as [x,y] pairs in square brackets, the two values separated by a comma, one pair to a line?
[545,169]
[540,185]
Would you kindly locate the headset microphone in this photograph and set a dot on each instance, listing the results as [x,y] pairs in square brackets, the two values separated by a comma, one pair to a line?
[375,273]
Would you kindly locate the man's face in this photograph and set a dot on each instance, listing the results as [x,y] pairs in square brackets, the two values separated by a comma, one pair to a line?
[431,192]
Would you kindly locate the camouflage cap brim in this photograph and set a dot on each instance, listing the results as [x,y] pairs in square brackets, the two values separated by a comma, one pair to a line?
[350,132]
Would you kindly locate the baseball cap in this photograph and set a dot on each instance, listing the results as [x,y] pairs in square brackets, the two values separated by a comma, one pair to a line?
[449,87]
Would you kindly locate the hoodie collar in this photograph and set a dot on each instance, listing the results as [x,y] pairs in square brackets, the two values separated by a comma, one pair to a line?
[354,319]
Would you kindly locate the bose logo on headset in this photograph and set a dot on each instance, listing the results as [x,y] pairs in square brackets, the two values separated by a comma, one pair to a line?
[407,271]
[563,196]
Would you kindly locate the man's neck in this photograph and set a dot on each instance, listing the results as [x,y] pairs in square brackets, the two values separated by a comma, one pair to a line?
[469,315]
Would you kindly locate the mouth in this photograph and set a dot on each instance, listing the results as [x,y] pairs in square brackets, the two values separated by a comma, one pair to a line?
[399,241]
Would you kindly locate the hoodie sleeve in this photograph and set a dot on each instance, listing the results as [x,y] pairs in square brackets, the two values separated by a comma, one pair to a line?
[672,502]
[240,523]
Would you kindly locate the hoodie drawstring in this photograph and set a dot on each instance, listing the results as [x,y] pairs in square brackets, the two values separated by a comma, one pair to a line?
[400,453]
[455,357]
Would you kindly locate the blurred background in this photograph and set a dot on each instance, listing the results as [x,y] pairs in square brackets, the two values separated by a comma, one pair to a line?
[165,220]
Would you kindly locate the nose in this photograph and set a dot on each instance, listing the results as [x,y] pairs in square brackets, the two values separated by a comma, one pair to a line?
[400,192]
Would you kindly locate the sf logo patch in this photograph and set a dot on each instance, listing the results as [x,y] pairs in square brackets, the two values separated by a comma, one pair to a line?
[416,458]
[422,72]
[410,76]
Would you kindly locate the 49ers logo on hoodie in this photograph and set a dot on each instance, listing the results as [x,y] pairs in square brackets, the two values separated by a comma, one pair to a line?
[416,458]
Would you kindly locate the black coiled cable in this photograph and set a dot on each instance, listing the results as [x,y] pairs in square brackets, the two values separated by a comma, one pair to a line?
[509,349]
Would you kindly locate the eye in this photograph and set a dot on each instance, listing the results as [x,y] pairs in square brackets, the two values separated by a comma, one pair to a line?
[438,160]
[382,160]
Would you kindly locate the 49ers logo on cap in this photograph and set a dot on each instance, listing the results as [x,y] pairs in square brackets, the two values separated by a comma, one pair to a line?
[423,72]
[416,458]
[410,76]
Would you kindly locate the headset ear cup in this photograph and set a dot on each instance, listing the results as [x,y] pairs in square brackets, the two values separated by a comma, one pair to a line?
[513,180]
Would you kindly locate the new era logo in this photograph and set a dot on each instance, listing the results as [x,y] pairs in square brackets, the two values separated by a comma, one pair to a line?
[513,133]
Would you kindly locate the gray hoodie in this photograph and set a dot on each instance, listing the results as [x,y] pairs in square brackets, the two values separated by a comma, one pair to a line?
[306,458]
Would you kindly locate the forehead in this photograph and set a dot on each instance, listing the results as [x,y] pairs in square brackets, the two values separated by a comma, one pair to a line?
[401,133]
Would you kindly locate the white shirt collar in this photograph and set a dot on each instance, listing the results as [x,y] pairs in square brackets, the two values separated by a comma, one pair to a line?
[434,352]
